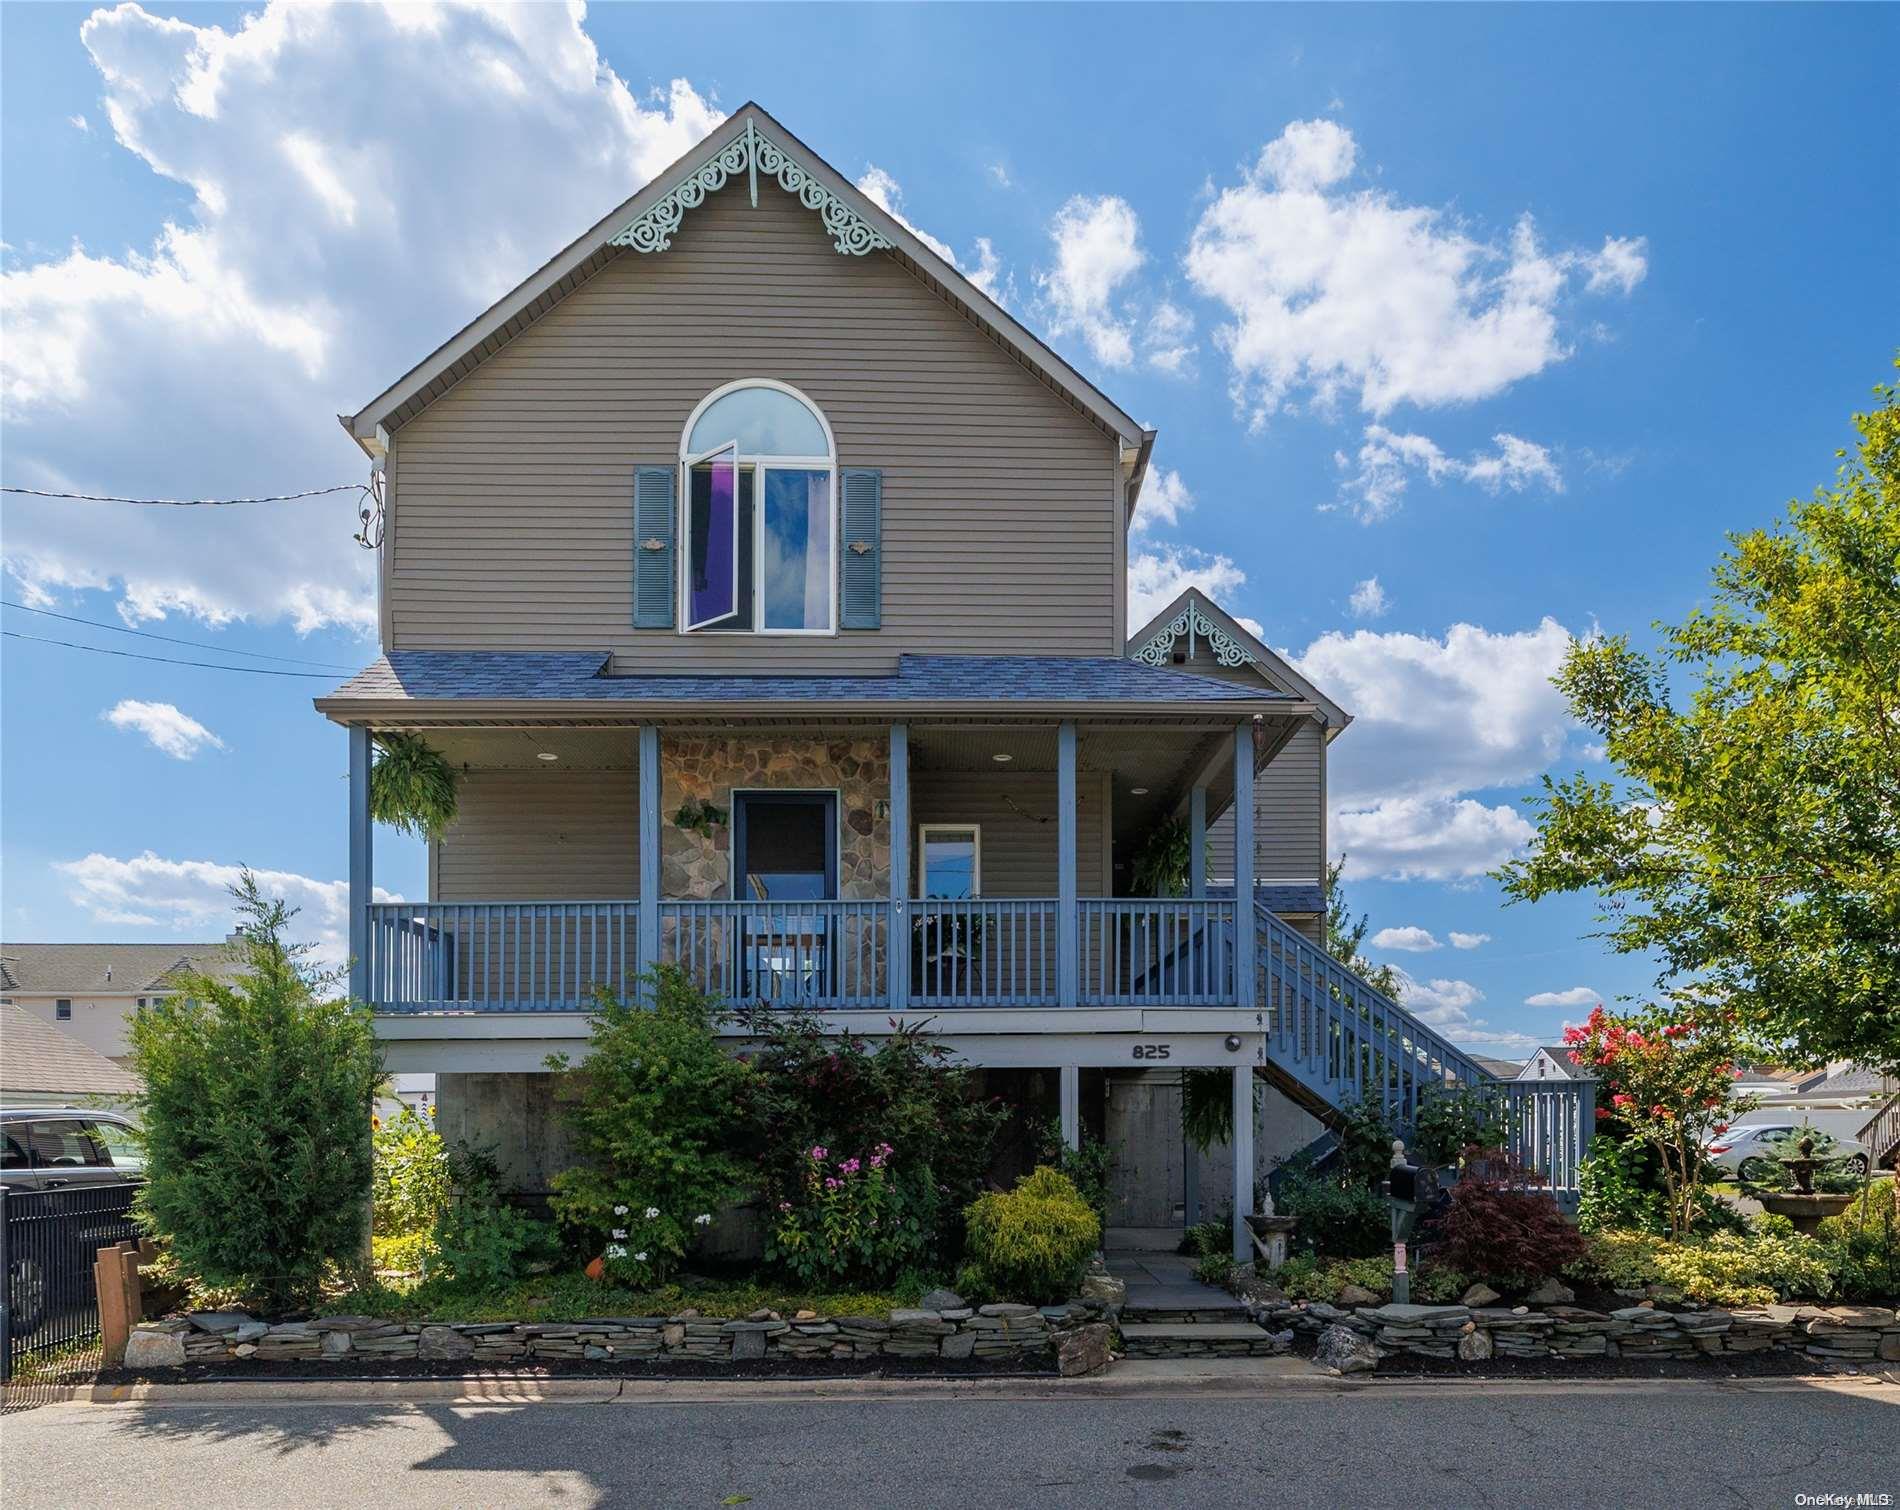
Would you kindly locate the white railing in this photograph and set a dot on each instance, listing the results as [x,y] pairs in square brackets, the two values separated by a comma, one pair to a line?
[1170,952]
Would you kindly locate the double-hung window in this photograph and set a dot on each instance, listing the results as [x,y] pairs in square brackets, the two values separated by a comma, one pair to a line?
[759,501]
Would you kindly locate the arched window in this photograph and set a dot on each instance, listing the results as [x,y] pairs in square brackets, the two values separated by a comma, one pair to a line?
[758,498]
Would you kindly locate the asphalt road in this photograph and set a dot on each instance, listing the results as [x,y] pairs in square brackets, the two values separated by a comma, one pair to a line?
[1676,1445]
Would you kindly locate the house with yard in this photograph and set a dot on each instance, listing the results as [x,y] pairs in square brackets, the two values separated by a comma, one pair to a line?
[763,580]
[92,991]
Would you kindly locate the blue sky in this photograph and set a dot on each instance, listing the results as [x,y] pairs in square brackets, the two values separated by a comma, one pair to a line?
[1511,312]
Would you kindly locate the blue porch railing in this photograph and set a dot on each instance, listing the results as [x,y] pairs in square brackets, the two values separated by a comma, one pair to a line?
[1348,1042]
[1170,951]
[498,956]
[983,951]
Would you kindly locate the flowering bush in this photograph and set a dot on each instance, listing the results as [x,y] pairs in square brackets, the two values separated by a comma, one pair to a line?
[850,1220]
[656,1115]
[1670,1080]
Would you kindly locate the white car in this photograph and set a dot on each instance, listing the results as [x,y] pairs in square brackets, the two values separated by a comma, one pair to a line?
[1752,1140]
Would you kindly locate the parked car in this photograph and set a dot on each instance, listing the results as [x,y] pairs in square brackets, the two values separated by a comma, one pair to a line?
[49,1148]
[1756,1140]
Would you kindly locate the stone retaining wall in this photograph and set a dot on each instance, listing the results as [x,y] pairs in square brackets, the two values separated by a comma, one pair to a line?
[1839,1334]
[1018,1333]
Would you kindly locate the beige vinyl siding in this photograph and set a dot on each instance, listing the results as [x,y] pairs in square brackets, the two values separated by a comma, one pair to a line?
[541,836]
[513,529]
[1289,815]
[1019,853]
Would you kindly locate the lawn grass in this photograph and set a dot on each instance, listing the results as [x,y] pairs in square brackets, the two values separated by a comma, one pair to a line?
[574,1297]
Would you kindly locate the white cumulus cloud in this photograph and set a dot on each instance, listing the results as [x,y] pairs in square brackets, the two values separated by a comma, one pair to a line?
[984,268]
[1576,996]
[1377,475]
[363,179]
[1159,576]
[1469,940]
[1620,265]
[1447,1006]
[1097,252]
[194,896]
[176,734]
[1410,939]
[1368,600]
[1332,290]
[1164,499]
[1437,720]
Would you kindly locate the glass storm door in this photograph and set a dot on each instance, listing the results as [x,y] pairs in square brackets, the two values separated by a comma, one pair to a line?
[785,855]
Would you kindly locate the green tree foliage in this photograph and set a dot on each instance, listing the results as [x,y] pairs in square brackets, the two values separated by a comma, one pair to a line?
[1345,933]
[256,1114]
[655,1115]
[1753,841]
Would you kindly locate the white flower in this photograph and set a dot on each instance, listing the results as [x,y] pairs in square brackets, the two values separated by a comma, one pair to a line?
[652,1212]
[639,1258]
[614,1250]
[620,1211]
[620,1232]
[704,1219]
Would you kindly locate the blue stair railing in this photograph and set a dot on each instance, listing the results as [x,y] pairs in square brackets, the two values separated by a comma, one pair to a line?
[1346,1042]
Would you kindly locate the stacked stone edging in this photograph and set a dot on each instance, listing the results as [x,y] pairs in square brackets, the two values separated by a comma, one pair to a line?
[997,1332]
[1840,1334]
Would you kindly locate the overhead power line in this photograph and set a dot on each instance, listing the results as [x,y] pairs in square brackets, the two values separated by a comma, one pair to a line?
[172,639]
[191,503]
[166,660]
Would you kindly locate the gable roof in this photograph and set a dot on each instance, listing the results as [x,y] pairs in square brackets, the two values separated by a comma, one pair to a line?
[105,969]
[1559,1054]
[1022,681]
[41,1058]
[644,222]
[1194,614]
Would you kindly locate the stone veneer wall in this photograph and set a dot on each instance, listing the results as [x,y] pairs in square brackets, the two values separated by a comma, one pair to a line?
[1005,1332]
[1842,1334]
[694,867]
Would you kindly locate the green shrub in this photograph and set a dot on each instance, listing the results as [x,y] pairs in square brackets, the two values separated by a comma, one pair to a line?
[1310,1278]
[256,1116]
[406,1253]
[1031,1243]
[1451,1120]
[481,1241]
[1365,1145]
[812,1089]
[1335,1219]
[1616,1192]
[1772,1262]
[1087,1167]
[656,1115]
[859,1217]
[1863,1245]
[410,1185]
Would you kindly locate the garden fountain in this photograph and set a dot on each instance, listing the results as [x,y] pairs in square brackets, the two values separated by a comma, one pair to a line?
[1805,1206]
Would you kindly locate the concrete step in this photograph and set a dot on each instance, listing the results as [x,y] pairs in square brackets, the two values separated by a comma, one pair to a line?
[1212,1312]
[1142,1239]
[1199,1339]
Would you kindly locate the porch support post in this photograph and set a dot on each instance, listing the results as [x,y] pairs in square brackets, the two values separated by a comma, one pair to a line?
[1243,1162]
[1245,950]
[1068,959]
[1071,1098]
[1197,842]
[649,847]
[897,954]
[361,867]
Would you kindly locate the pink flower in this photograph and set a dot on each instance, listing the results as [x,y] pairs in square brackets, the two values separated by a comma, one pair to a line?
[784,1205]
[1623,1100]
[849,1166]
[831,1184]
[819,1155]
[1659,1111]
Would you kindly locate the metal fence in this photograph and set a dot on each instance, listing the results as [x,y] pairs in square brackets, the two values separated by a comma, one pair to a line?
[48,1241]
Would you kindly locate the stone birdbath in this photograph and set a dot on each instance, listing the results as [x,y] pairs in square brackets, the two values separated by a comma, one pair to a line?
[1805,1206]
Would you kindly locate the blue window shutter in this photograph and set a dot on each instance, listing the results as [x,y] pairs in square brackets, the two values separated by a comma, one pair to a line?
[861,562]
[653,574]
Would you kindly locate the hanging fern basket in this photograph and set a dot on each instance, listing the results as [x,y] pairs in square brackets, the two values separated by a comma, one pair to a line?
[412,788]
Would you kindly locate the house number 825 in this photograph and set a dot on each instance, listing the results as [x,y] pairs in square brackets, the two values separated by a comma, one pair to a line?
[1151,1051]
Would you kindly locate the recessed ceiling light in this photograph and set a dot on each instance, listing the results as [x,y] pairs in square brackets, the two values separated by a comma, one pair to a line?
[1002,759]
[545,755]
[1138,791]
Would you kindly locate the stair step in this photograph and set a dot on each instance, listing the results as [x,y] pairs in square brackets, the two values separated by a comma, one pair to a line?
[1211,1314]
[1203,1339]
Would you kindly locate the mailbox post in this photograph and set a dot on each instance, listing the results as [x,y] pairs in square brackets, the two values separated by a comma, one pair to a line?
[1403,1193]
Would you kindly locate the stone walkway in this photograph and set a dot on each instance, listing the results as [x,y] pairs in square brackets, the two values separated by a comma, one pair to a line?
[1169,1314]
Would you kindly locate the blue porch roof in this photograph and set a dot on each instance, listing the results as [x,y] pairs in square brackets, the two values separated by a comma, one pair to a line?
[486,675]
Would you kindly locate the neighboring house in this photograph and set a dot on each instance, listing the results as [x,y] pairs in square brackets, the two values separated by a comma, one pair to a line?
[91,991]
[766,581]
[1502,1069]
[42,1066]
[1552,1062]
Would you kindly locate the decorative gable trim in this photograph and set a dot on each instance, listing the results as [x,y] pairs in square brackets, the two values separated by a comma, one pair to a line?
[750,154]
[1192,622]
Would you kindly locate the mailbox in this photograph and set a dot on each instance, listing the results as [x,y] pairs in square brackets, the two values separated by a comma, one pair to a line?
[1407,1192]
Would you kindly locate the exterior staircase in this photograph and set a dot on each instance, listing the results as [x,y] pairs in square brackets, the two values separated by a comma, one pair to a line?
[1881,1136]
[1335,1041]
[1171,1314]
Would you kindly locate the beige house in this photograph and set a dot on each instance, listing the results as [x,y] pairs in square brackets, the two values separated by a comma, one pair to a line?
[765,580]
[91,991]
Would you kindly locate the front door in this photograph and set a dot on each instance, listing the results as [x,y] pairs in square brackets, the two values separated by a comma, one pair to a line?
[785,857]
[1146,1184]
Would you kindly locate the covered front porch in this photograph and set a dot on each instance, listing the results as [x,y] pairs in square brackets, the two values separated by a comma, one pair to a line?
[850,867]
